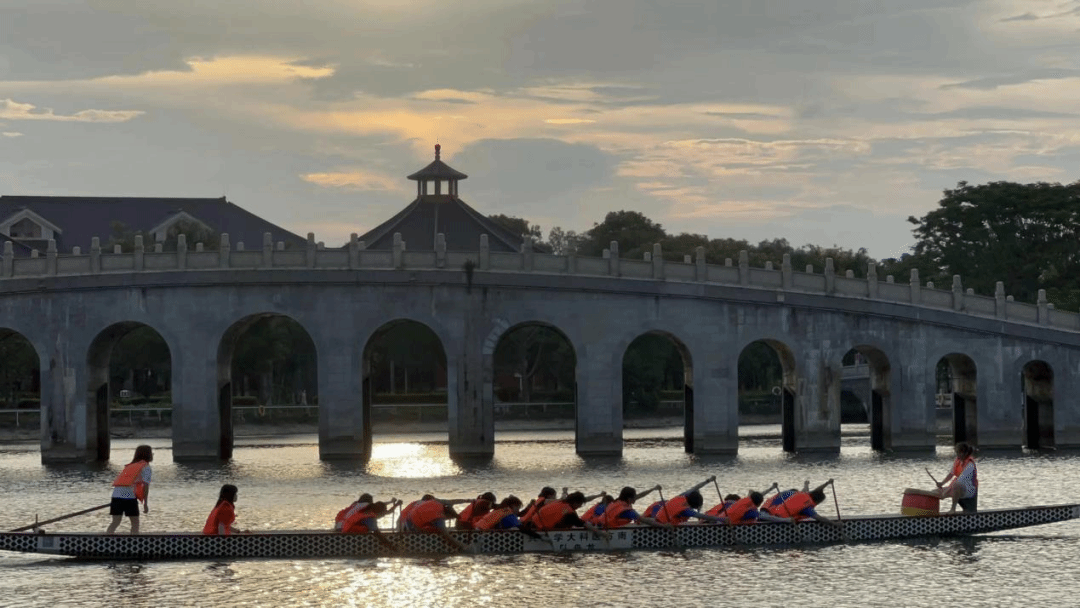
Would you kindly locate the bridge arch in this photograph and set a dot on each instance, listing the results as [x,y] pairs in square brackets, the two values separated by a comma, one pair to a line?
[102,350]
[20,373]
[1037,383]
[389,351]
[273,327]
[877,390]
[787,384]
[957,379]
[530,359]
[636,355]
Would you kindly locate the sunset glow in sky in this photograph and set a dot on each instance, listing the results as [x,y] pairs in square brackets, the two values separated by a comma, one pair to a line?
[821,121]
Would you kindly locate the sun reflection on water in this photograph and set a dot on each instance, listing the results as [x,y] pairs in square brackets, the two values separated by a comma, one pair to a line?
[411,460]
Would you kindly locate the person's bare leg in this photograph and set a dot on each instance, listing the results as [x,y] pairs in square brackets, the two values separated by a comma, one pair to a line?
[115,524]
[134,525]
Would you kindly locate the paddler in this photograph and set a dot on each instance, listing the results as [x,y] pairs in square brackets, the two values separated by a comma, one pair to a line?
[473,511]
[131,486]
[621,512]
[222,518]
[429,515]
[562,514]
[364,501]
[546,493]
[505,517]
[679,503]
[800,506]
[366,521]
[964,489]
[595,514]
[744,510]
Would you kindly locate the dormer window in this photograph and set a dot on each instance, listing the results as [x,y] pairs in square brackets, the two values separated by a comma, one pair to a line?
[25,228]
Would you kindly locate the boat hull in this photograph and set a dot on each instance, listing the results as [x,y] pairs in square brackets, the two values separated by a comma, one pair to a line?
[320,544]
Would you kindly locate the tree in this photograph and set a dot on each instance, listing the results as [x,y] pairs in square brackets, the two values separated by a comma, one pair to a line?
[1024,235]
[519,226]
[194,232]
[143,356]
[652,364]
[634,232]
[535,351]
[20,362]
[563,242]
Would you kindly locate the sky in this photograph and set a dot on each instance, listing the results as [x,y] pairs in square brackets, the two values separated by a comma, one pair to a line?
[820,121]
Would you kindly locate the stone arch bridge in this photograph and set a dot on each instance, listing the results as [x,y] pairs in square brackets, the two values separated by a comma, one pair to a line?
[1012,365]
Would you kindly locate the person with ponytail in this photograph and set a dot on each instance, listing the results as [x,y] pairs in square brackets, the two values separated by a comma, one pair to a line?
[131,486]
[223,516]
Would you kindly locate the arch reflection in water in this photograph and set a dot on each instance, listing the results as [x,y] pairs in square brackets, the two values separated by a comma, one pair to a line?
[411,460]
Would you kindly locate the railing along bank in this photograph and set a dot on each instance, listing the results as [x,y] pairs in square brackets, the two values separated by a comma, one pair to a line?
[692,269]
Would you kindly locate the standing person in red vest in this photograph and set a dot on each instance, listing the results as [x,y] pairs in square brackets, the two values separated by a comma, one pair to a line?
[964,489]
[131,486]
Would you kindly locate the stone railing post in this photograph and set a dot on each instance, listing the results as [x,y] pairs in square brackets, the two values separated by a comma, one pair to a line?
[957,293]
[398,251]
[223,251]
[999,300]
[657,261]
[50,257]
[871,280]
[268,250]
[181,251]
[916,287]
[311,248]
[1044,309]
[613,260]
[354,251]
[485,253]
[830,276]
[9,258]
[440,250]
[701,271]
[95,255]
[139,252]
[744,267]
[527,254]
[787,277]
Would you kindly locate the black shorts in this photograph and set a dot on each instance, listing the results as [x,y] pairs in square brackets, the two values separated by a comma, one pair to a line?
[969,504]
[124,506]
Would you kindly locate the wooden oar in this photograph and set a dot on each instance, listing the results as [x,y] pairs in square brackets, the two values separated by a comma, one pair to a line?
[674,532]
[843,533]
[723,503]
[932,477]
[55,519]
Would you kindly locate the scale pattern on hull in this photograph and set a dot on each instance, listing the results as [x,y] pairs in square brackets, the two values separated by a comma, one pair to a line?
[315,544]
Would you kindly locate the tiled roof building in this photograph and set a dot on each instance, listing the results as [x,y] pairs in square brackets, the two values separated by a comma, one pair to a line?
[438,209]
[30,221]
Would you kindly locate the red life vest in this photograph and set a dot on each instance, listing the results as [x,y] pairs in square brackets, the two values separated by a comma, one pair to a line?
[222,514]
[346,512]
[738,510]
[770,506]
[721,509]
[424,515]
[492,519]
[132,476]
[472,513]
[653,509]
[795,505]
[549,516]
[408,509]
[671,511]
[354,523]
[960,464]
[613,514]
[531,512]
[592,516]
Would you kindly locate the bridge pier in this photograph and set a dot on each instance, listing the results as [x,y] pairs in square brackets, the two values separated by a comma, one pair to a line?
[817,420]
[470,404]
[197,401]
[599,401]
[716,404]
[344,428]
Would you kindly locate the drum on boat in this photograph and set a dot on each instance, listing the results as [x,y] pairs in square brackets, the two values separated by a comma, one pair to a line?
[920,502]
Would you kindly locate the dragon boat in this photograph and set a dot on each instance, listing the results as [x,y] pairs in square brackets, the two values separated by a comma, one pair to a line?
[313,544]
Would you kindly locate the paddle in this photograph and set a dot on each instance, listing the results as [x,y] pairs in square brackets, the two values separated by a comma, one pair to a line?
[674,533]
[936,482]
[55,519]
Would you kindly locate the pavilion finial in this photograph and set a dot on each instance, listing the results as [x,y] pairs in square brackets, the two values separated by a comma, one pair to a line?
[437,149]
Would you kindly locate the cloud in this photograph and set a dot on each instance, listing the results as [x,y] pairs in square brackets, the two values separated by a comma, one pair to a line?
[355,180]
[994,82]
[11,134]
[13,110]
